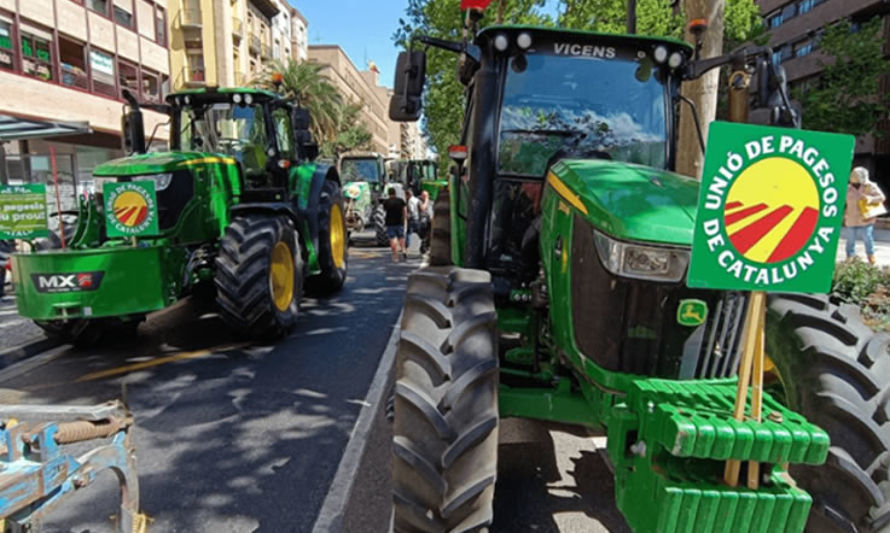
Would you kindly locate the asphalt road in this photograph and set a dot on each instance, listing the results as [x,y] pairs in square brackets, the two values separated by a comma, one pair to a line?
[230,437]
[15,330]
[238,438]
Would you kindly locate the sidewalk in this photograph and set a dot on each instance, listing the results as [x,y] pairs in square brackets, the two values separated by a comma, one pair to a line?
[882,248]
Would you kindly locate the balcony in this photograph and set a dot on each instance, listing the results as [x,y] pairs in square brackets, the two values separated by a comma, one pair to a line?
[256,46]
[193,76]
[237,28]
[266,52]
[191,18]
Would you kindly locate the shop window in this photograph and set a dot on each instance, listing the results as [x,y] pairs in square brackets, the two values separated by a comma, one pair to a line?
[102,73]
[7,52]
[37,58]
[160,26]
[151,87]
[72,60]
[99,6]
[128,77]
[123,13]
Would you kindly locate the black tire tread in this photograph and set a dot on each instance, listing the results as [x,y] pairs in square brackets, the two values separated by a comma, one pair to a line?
[834,370]
[331,278]
[446,416]
[440,231]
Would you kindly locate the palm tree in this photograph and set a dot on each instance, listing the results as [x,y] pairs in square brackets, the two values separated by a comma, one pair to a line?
[305,84]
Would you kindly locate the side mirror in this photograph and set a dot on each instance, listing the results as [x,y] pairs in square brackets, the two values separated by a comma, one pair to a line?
[406,102]
[133,132]
[302,119]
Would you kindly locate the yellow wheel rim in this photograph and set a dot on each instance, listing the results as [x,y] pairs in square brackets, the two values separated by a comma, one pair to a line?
[281,277]
[338,237]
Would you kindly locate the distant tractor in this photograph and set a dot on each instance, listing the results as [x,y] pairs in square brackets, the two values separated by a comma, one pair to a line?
[365,185]
[422,175]
[243,216]
[557,292]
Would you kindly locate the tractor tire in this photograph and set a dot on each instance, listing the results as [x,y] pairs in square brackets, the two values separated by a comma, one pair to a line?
[445,427]
[333,254]
[379,218]
[259,276]
[833,369]
[440,232]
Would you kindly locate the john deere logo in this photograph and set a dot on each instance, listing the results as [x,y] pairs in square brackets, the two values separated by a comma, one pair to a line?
[770,209]
[692,313]
[131,209]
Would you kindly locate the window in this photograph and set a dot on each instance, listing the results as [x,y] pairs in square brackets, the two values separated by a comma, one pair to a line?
[151,87]
[804,6]
[160,26]
[72,60]
[803,48]
[123,13]
[99,6]
[128,78]
[7,52]
[284,130]
[102,73]
[786,52]
[789,12]
[37,58]
[774,20]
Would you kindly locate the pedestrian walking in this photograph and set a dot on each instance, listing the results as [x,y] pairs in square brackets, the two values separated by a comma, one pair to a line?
[396,212]
[425,221]
[413,216]
[865,202]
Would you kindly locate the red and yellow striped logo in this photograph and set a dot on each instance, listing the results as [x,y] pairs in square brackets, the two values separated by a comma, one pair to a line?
[772,231]
[130,208]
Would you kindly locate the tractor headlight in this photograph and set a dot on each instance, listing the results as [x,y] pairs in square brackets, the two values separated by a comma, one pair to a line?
[640,261]
[162,181]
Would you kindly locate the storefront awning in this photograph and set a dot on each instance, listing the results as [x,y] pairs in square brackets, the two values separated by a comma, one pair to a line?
[20,129]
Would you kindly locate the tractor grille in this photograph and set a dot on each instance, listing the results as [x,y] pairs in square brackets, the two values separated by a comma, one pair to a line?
[632,326]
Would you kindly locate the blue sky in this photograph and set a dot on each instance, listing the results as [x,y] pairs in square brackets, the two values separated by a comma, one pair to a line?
[363,28]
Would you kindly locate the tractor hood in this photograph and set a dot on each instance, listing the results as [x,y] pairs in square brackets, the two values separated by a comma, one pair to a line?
[631,202]
[158,162]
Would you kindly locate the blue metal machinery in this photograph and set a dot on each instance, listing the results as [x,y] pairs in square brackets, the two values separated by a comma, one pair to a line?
[36,474]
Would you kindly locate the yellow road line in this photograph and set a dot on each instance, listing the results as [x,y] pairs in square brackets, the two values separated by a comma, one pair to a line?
[126,369]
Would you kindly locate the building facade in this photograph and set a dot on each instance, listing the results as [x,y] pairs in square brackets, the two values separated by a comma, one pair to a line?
[66,63]
[225,43]
[299,36]
[795,27]
[358,87]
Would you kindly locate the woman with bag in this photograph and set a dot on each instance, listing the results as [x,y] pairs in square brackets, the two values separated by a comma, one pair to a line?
[865,202]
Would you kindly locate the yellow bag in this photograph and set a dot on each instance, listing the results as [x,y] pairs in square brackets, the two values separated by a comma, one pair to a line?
[871,209]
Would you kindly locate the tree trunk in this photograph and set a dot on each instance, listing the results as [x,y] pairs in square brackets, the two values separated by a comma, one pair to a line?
[703,91]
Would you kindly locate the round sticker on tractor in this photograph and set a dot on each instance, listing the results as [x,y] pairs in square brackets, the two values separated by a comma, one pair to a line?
[765,233]
[131,209]
[353,191]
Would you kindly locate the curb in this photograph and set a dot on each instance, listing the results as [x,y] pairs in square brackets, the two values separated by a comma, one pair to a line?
[333,510]
[10,356]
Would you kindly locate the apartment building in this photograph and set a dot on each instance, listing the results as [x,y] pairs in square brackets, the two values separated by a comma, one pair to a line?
[358,86]
[299,36]
[63,67]
[795,27]
[226,42]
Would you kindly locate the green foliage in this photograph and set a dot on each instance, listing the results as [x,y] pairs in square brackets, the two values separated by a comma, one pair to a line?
[335,123]
[352,134]
[847,98]
[444,96]
[867,287]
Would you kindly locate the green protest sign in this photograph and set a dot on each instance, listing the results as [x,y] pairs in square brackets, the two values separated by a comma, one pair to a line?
[770,209]
[23,211]
[131,209]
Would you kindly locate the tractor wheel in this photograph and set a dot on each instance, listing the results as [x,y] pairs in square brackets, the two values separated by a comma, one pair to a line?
[379,217]
[833,369]
[333,256]
[259,276]
[440,232]
[445,427]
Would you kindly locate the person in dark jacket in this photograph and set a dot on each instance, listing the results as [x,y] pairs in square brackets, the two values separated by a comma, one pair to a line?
[396,215]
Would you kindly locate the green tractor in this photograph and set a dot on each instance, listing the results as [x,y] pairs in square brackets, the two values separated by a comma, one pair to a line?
[365,182]
[554,293]
[422,175]
[243,216]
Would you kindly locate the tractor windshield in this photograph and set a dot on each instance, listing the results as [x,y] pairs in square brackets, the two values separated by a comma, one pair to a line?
[611,107]
[360,170]
[225,128]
